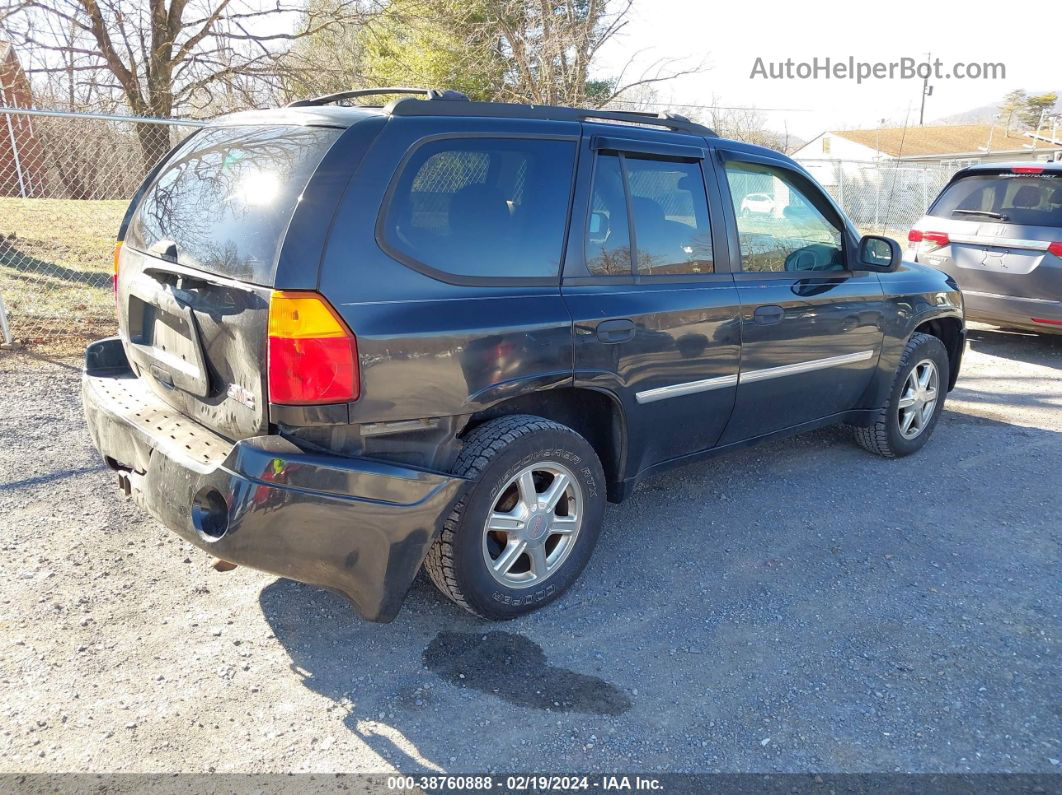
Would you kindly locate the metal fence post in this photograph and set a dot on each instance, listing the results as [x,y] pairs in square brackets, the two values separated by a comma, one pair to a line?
[9,341]
[15,158]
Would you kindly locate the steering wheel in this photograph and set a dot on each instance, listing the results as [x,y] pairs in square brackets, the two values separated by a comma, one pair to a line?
[813,257]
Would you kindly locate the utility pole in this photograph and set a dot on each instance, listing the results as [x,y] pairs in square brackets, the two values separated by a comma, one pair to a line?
[927,91]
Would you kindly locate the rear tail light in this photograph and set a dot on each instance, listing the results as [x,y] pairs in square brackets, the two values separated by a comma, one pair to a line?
[313,356]
[1056,249]
[114,273]
[939,238]
[1027,170]
[1046,322]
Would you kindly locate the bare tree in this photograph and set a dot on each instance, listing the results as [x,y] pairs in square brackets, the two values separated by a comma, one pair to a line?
[161,57]
[550,45]
[535,51]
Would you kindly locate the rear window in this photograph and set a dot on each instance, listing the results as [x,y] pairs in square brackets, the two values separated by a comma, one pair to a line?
[225,198]
[1026,199]
[482,207]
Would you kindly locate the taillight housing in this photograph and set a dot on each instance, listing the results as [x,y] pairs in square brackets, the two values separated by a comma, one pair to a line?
[937,238]
[313,356]
[114,271]
[1027,170]
[1056,249]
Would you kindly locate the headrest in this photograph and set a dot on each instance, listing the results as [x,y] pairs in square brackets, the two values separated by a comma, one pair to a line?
[1027,196]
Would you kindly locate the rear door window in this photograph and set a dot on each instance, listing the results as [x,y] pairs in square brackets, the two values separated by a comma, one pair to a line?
[482,208]
[608,241]
[225,198]
[1026,199]
[670,217]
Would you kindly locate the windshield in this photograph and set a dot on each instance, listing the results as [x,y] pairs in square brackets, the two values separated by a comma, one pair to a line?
[225,198]
[1026,199]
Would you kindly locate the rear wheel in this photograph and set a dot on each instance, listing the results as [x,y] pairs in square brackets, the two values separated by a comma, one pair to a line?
[528,522]
[906,422]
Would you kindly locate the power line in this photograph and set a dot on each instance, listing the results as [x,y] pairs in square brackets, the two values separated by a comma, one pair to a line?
[707,107]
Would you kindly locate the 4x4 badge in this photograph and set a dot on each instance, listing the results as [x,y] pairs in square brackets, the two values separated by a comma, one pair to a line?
[241,395]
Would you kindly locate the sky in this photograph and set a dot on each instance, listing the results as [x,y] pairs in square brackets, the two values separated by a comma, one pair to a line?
[728,38]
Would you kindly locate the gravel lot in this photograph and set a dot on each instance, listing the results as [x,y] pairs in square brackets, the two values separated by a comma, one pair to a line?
[798,606]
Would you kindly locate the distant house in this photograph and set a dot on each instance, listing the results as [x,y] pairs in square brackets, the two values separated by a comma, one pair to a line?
[950,145]
[21,166]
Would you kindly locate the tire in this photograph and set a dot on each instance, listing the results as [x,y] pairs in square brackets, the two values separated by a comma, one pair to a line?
[885,435]
[495,454]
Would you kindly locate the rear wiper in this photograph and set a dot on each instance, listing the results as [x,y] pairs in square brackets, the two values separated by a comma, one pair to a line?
[987,213]
[166,249]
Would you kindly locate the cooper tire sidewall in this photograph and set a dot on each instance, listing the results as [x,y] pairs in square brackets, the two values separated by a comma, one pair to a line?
[477,584]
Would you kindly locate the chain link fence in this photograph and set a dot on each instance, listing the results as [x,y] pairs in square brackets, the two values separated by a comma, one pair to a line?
[65,182]
[879,196]
[66,179]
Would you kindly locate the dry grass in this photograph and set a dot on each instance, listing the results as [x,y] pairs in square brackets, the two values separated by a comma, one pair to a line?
[55,268]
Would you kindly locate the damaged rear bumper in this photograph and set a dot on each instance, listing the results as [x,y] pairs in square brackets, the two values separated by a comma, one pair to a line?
[358,526]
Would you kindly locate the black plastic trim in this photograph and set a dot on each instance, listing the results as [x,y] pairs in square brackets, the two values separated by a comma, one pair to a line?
[635,146]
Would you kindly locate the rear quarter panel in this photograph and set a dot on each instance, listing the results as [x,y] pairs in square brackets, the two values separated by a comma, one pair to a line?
[429,348]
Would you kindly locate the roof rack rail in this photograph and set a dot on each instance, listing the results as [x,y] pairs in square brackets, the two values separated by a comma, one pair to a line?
[327,99]
[442,107]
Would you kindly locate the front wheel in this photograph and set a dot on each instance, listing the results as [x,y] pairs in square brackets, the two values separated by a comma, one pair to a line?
[907,421]
[528,523]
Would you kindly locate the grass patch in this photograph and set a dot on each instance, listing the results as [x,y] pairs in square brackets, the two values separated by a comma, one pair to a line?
[55,267]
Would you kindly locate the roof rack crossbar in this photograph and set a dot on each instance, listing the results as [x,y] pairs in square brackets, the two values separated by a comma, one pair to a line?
[339,96]
[672,121]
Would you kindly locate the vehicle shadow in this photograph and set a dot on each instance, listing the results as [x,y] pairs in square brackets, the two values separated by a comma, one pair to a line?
[1023,346]
[389,700]
[789,618]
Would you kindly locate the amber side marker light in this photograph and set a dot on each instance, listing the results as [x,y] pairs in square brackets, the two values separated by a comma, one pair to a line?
[313,356]
[114,271]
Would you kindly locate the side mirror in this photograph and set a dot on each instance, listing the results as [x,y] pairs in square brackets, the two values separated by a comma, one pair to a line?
[880,254]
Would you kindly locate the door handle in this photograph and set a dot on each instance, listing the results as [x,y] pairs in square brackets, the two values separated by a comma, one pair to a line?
[768,315]
[613,331]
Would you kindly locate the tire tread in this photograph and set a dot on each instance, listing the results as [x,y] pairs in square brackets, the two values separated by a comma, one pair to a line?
[875,436]
[481,445]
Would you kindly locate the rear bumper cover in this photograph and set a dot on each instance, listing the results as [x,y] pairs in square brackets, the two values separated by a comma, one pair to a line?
[1014,311]
[358,526]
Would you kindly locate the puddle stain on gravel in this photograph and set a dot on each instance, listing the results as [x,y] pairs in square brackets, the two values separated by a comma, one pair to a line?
[515,669]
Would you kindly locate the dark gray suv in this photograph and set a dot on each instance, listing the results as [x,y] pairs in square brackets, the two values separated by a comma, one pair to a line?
[355,341]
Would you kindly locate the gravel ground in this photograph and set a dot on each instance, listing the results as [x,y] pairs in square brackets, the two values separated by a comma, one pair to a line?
[798,606]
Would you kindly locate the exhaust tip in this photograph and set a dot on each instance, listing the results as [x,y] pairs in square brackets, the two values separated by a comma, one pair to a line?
[210,514]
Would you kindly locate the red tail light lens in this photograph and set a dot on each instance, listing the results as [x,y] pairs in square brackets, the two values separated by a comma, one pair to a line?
[1045,321]
[1056,249]
[918,236]
[1027,170]
[313,356]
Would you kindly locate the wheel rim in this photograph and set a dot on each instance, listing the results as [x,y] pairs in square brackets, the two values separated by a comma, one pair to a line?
[533,525]
[918,399]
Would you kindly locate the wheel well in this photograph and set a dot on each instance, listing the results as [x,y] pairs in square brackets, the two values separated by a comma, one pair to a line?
[949,331]
[593,415]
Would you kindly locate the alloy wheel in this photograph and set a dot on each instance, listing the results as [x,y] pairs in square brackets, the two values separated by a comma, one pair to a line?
[918,399]
[533,525]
